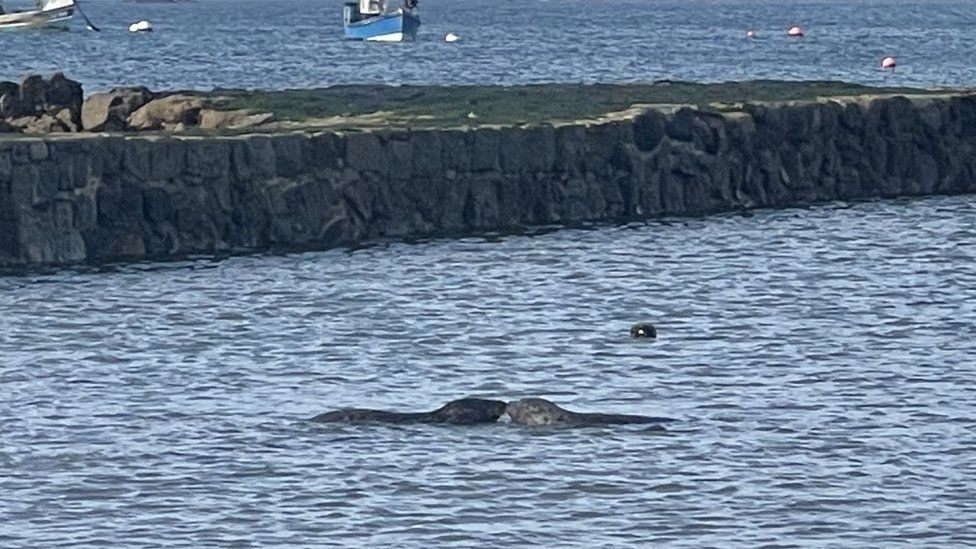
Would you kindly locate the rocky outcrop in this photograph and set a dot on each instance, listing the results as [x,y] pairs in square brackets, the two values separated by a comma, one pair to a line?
[101,198]
[57,105]
[110,111]
[37,105]
[171,112]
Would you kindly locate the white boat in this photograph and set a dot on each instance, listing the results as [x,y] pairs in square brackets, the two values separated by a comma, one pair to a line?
[47,13]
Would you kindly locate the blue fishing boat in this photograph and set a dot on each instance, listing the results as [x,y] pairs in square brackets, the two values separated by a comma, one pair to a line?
[46,13]
[375,21]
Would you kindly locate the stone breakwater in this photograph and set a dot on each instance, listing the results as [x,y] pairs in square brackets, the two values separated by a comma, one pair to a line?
[98,198]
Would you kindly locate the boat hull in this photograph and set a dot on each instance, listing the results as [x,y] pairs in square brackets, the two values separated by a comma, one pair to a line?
[59,17]
[398,26]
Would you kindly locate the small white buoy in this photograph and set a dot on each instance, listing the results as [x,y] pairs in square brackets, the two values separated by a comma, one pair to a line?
[796,31]
[750,34]
[141,26]
[451,37]
[889,63]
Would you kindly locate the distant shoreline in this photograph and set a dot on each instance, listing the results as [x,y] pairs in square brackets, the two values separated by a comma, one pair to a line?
[297,183]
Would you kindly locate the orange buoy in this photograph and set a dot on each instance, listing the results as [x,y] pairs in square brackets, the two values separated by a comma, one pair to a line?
[889,63]
[795,31]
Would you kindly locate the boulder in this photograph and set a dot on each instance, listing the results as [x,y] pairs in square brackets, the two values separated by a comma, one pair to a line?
[41,124]
[211,119]
[68,119]
[110,111]
[43,100]
[167,112]
[10,104]
[62,93]
[33,93]
[7,87]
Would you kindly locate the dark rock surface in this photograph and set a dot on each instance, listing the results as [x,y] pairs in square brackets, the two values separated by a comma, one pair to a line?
[37,105]
[95,198]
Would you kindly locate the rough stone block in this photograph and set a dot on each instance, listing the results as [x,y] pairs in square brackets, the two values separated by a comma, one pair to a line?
[649,130]
[157,206]
[399,155]
[119,205]
[253,157]
[456,150]
[570,142]
[48,183]
[85,211]
[9,240]
[106,156]
[37,150]
[427,153]
[208,158]
[136,160]
[527,149]
[113,245]
[167,159]
[289,160]
[484,153]
[681,125]
[6,165]
[63,216]
[23,180]
[326,151]
[364,153]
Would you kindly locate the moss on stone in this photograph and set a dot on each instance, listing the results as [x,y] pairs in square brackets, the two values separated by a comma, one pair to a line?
[449,106]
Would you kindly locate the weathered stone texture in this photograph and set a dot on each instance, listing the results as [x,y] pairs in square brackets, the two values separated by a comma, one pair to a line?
[104,198]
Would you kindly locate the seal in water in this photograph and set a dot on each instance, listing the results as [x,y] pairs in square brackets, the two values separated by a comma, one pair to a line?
[539,411]
[643,330]
[465,411]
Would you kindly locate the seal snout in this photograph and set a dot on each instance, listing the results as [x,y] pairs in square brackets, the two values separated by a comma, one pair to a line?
[643,330]
[539,412]
[534,411]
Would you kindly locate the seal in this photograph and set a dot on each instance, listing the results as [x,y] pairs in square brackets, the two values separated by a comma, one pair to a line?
[643,330]
[465,411]
[539,411]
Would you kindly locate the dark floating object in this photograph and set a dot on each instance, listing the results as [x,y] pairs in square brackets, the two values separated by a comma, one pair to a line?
[539,411]
[643,330]
[465,411]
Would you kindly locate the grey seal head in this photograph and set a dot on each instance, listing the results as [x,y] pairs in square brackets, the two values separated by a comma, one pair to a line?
[643,330]
[465,411]
[539,411]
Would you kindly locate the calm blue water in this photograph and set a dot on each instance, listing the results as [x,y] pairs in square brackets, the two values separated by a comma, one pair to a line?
[297,43]
[820,364]
[820,361]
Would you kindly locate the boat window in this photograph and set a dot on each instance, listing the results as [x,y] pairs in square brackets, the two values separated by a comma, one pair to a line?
[372,6]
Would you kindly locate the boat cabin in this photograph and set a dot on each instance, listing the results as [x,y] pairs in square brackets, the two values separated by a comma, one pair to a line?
[372,7]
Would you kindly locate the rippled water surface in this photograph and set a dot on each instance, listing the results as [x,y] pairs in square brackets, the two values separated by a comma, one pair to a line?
[298,43]
[819,363]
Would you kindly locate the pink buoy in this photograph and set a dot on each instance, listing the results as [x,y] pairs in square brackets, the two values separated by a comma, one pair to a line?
[750,34]
[795,31]
[889,63]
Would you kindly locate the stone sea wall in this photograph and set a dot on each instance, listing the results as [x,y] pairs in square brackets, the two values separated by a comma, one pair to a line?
[102,197]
